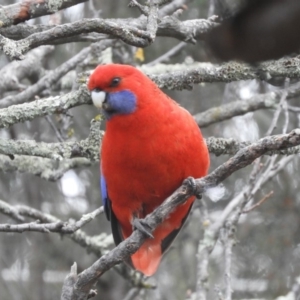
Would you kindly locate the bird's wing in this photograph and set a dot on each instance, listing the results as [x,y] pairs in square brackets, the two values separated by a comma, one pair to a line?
[104,195]
[115,225]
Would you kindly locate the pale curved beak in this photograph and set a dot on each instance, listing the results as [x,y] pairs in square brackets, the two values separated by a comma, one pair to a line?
[98,98]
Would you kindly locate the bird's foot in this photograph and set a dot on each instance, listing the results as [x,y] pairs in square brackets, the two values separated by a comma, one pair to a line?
[142,226]
[190,182]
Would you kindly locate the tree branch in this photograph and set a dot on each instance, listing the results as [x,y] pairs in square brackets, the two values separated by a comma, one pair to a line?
[152,20]
[59,226]
[51,160]
[95,244]
[52,105]
[85,280]
[89,147]
[237,108]
[31,67]
[45,82]
[45,168]
[24,30]
[130,35]
[30,9]
[60,104]
[187,75]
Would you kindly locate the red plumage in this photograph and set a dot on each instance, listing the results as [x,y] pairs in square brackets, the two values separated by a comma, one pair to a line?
[146,154]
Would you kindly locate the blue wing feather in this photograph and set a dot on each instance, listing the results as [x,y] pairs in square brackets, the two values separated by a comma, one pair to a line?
[115,225]
[104,196]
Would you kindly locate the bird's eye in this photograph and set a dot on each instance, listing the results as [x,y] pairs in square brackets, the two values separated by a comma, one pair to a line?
[115,81]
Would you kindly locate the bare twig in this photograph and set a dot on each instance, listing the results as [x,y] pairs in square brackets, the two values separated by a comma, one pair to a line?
[46,81]
[152,20]
[172,7]
[142,8]
[260,202]
[186,76]
[26,10]
[165,57]
[277,113]
[95,244]
[53,126]
[233,209]
[88,148]
[130,35]
[80,154]
[60,227]
[10,211]
[229,242]
[132,294]
[24,30]
[45,168]
[203,257]
[31,68]
[52,105]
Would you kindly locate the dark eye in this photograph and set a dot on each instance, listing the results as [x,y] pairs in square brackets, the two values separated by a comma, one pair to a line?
[115,81]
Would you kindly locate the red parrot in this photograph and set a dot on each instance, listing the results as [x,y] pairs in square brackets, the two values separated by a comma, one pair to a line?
[151,144]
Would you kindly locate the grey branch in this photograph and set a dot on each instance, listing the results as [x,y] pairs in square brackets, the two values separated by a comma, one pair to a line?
[187,76]
[95,244]
[152,20]
[46,168]
[184,78]
[52,105]
[10,211]
[59,226]
[221,146]
[237,108]
[24,30]
[142,8]
[229,240]
[79,154]
[166,57]
[130,35]
[60,104]
[45,82]
[172,7]
[89,147]
[187,31]
[138,32]
[30,68]
[25,10]
[248,154]
[85,280]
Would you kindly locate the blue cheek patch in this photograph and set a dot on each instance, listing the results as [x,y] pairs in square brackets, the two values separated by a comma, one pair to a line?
[123,102]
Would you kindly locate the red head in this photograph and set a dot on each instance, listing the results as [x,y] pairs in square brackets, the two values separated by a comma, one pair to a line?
[119,89]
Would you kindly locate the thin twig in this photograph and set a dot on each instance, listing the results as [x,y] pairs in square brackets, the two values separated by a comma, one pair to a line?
[277,114]
[55,129]
[260,202]
[46,81]
[229,242]
[59,226]
[166,56]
